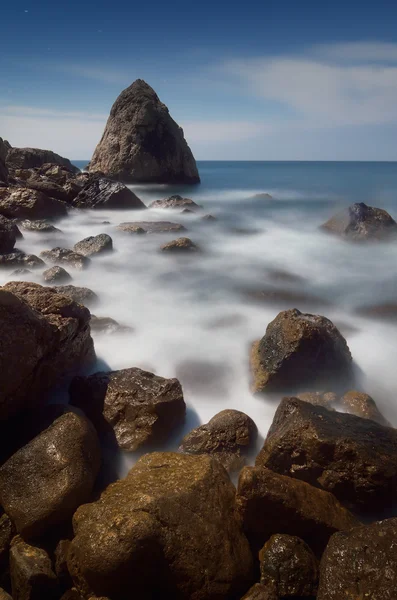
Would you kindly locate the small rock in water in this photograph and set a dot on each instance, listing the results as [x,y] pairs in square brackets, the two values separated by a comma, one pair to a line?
[176,202]
[360,222]
[21,271]
[66,256]
[97,244]
[56,275]
[208,218]
[362,405]
[40,226]
[180,245]
[151,227]
[281,276]
[17,258]
[107,325]
[82,295]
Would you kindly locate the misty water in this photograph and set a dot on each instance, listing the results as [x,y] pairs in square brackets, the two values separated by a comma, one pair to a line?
[194,317]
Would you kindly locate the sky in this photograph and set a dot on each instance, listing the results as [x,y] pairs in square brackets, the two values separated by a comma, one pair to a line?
[252,80]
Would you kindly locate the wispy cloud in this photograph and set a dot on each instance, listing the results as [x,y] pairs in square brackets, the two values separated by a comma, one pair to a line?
[31,111]
[102,74]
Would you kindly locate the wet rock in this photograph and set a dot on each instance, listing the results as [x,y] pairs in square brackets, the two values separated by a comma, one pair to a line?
[261,592]
[175,201]
[22,203]
[45,336]
[151,227]
[326,399]
[288,564]
[40,226]
[381,312]
[29,158]
[7,532]
[138,407]
[158,530]
[268,503]
[43,483]
[354,458]
[360,563]
[48,187]
[61,174]
[142,143]
[360,222]
[56,275]
[182,244]
[66,256]
[101,193]
[31,572]
[227,437]
[81,295]
[18,258]
[187,211]
[97,244]
[108,325]
[299,350]
[7,235]
[362,405]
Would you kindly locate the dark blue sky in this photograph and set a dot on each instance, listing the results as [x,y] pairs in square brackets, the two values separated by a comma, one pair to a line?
[246,80]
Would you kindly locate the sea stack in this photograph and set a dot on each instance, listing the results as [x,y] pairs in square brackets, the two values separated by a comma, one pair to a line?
[142,143]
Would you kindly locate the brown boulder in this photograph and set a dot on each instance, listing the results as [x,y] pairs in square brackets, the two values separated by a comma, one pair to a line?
[7,532]
[56,275]
[81,295]
[30,158]
[168,530]
[151,227]
[180,245]
[40,225]
[43,483]
[4,595]
[66,256]
[48,187]
[360,222]
[227,437]
[299,350]
[32,577]
[362,405]
[175,201]
[22,203]
[20,259]
[97,244]
[108,325]
[8,235]
[354,458]
[138,407]
[326,399]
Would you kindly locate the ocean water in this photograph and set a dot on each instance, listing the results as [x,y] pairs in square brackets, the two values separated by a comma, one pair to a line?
[195,317]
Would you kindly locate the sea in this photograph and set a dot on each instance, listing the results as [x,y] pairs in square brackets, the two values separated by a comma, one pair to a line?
[195,317]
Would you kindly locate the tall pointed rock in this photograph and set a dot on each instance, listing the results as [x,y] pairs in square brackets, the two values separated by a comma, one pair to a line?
[142,143]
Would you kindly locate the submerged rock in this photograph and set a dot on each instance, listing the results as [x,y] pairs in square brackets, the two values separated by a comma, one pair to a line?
[41,226]
[101,193]
[7,235]
[362,405]
[66,256]
[82,295]
[157,532]
[354,458]
[284,298]
[227,437]
[97,244]
[182,244]
[360,222]
[56,275]
[28,158]
[107,325]
[18,258]
[137,406]
[299,350]
[22,203]
[381,312]
[31,572]
[176,201]
[142,143]
[151,227]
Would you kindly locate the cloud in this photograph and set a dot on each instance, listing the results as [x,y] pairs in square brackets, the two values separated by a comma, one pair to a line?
[102,74]
[212,131]
[31,111]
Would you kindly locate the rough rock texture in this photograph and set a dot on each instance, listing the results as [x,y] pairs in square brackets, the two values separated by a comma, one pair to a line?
[288,563]
[362,405]
[7,235]
[4,595]
[361,563]
[48,187]
[360,222]
[226,437]
[61,174]
[261,592]
[108,325]
[354,458]
[180,245]
[22,203]
[43,483]
[269,503]
[100,192]
[142,143]
[137,406]
[81,295]
[41,226]
[31,572]
[29,158]
[61,565]
[3,167]
[151,227]
[299,350]
[176,201]
[20,259]
[66,256]
[326,399]
[45,336]
[168,530]
[97,244]
[7,532]
[56,275]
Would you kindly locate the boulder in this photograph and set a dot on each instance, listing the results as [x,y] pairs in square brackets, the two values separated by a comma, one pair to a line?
[7,532]
[142,143]
[326,399]
[4,595]
[362,405]
[354,458]
[20,259]
[3,167]
[48,187]
[56,275]
[107,325]
[43,483]
[61,174]
[61,564]
[66,256]
[151,227]
[180,245]
[287,563]
[268,503]
[168,530]
[29,158]
[208,218]
[261,592]
[299,351]
[45,336]
[7,235]
[22,203]
[361,223]
[361,563]
[19,272]
[136,406]
[227,437]
[100,192]
[81,295]
[176,201]
[97,244]
[41,226]
[31,572]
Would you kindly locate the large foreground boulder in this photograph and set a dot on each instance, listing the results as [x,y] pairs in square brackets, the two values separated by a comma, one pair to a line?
[359,223]
[142,143]
[354,458]
[45,336]
[138,407]
[168,530]
[43,483]
[22,203]
[299,351]
[29,158]
[361,563]
[104,193]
